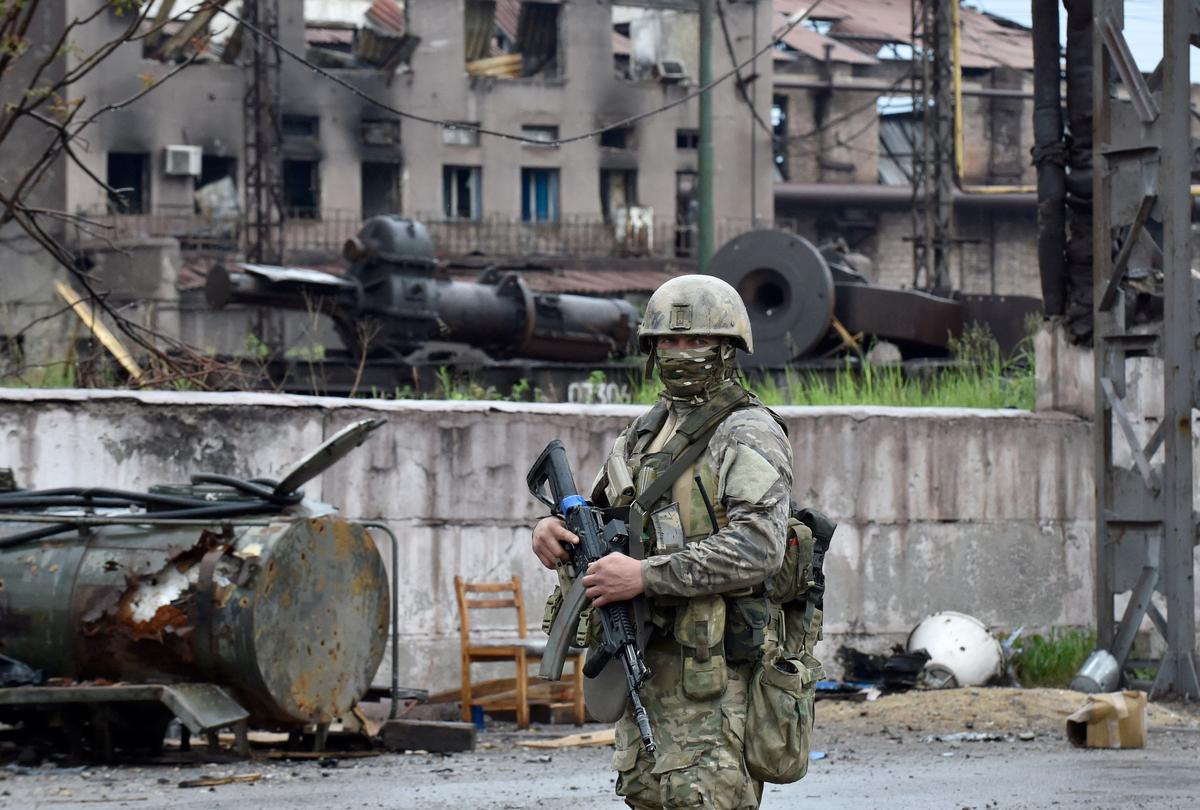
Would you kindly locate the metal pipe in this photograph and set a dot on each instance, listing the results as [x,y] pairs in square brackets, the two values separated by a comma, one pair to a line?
[1049,156]
[900,197]
[753,123]
[956,67]
[800,83]
[705,236]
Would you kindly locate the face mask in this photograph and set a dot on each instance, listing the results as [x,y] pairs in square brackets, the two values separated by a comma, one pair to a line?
[692,373]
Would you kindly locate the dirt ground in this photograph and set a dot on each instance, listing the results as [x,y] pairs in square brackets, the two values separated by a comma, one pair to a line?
[871,755]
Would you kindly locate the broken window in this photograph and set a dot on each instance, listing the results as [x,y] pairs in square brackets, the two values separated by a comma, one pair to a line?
[899,136]
[171,33]
[779,124]
[380,132]
[345,35]
[687,212]
[618,189]
[655,44]
[216,187]
[543,133]
[301,126]
[380,188]
[301,189]
[539,195]
[461,133]
[507,39]
[129,177]
[687,139]
[619,138]
[461,192]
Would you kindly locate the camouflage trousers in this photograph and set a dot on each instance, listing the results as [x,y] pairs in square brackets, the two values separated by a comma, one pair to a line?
[699,758]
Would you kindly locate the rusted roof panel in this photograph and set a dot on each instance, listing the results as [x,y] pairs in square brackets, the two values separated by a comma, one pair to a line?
[328,35]
[621,44]
[388,15]
[508,17]
[986,41]
[812,44]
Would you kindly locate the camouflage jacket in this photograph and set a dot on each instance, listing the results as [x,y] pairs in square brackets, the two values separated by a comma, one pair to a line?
[747,473]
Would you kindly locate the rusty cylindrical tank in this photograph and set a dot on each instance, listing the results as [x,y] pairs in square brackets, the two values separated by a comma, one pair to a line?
[291,617]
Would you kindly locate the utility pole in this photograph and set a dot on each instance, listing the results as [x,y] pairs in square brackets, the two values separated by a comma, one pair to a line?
[934,25]
[705,226]
[262,129]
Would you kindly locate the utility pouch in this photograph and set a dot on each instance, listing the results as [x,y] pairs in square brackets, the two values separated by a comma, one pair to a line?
[779,717]
[619,487]
[666,526]
[746,620]
[700,630]
[795,576]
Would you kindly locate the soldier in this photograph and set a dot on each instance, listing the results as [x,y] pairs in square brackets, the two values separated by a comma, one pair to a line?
[704,594]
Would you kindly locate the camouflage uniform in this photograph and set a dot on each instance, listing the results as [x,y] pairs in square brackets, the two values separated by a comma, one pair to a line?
[746,471]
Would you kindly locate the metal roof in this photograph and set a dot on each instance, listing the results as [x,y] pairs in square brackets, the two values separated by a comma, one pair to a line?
[987,41]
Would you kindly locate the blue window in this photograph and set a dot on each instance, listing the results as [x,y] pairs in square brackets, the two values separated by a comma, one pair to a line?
[539,195]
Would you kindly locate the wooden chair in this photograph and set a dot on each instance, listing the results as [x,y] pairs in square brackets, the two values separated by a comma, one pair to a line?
[519,649]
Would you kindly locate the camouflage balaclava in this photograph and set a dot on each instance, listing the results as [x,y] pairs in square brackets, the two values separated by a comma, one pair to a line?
[694,375]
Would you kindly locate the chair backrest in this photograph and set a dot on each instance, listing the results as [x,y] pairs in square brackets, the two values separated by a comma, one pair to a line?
[495,595]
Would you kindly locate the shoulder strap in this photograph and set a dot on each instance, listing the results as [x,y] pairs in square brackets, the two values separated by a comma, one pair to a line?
[691,439]
[656,490]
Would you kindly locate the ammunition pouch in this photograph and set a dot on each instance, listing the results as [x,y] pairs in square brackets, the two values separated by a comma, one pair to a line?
[746,620]
[700,631]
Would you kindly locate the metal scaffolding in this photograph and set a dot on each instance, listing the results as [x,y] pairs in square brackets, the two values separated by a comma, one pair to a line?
[933,23]
[262,129]
[1145,523]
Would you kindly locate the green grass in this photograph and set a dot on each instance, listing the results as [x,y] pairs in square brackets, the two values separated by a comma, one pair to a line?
[1052,660]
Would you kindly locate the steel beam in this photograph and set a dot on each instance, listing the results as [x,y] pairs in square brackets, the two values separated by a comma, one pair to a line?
[1143,162]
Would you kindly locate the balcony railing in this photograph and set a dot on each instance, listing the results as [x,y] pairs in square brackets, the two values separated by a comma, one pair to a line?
[570,237]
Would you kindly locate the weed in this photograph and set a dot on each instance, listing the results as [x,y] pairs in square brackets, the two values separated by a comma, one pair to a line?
[1052,660]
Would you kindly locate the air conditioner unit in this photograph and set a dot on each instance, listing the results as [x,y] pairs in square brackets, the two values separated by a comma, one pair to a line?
[670,71]
[183,160]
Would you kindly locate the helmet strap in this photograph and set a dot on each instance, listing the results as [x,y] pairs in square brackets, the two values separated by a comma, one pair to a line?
[649,369]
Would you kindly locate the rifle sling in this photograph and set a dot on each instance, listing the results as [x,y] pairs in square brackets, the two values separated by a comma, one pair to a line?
[664,482]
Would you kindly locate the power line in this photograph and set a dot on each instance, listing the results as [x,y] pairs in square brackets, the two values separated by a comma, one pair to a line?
[511,136]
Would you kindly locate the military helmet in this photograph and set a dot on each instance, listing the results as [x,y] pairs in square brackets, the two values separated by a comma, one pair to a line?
[696,305]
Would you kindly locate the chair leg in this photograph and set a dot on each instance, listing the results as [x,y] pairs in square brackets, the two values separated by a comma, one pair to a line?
[522,691]
[466,689]
[577,689]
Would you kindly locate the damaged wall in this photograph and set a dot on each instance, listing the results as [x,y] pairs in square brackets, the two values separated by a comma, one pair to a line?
[940,509]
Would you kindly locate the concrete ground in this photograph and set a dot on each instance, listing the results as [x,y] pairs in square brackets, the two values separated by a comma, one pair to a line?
[859,771]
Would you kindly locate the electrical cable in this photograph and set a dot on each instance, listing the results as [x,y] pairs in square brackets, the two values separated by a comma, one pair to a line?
[776,38]
[261,499]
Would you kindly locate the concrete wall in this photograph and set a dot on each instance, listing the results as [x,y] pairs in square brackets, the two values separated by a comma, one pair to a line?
[986,512]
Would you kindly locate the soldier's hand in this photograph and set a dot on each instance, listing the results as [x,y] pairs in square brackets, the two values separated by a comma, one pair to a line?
[613,578]
[548,537]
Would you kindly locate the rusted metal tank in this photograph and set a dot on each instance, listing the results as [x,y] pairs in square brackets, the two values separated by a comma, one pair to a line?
[291,616]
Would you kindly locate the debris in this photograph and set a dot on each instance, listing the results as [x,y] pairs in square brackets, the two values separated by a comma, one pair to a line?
[961,650]
[88,312]
[424,735]
[815,756]
[1026,736]
[321,755]
[1099,673]
[606,737]
[17,673]
[1113,720]
[214,781]
[965,736]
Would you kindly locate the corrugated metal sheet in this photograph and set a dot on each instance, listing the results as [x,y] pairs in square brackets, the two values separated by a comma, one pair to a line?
[478,19]
[328,35]
[388,15]
[896,137]
[986,41]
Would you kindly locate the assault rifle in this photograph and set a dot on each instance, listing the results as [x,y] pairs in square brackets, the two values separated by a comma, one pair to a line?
[598,537]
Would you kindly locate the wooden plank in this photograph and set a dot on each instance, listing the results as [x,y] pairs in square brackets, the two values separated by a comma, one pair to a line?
[96,327]
[427,735]
[606,737]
